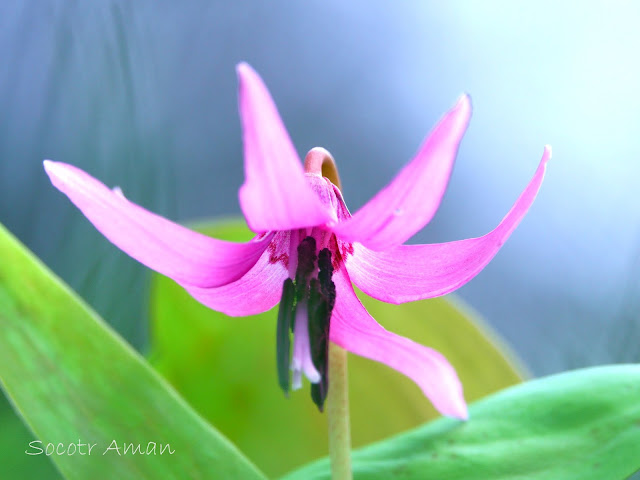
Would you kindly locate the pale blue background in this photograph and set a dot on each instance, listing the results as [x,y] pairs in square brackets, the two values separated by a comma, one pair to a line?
[143,95]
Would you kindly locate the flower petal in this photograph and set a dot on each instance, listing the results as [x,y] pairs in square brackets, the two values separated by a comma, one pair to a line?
[354,329]
[414,272]
[410,201]
[275,194]
[257,291]
[177,252]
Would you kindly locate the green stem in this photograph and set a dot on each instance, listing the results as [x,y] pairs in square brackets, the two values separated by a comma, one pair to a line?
[338,415]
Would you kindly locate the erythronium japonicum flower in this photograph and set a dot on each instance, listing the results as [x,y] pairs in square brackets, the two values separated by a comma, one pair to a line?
[308,248]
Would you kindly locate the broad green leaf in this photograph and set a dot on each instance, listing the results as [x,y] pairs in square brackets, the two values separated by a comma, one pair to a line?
[75,381]
[14,439]
[582,425]
[226,368]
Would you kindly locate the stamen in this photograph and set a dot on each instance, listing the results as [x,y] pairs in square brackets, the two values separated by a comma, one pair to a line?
[305,310]
[286,316]
[325,273]
[306,262]
[319,317]
[322,297]
[306,265]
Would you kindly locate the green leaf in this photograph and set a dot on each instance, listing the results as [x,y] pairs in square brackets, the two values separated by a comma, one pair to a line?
[581,425]
[14,438]
[226,368]
[74,380]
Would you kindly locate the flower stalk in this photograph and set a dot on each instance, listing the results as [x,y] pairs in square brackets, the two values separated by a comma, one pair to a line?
[338,415]
[320,162]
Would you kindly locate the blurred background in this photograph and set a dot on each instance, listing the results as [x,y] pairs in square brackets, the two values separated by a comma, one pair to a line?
[143,95]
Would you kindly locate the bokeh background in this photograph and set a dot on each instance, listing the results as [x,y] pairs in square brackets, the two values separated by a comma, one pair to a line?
[143,95]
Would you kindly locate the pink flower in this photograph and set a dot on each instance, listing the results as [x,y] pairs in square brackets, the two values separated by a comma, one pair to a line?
[309,242]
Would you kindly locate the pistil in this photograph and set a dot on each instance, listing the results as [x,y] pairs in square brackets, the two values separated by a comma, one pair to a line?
[301,361]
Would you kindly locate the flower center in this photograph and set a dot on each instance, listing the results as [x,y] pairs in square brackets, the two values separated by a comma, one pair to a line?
[309,294]
[305,311]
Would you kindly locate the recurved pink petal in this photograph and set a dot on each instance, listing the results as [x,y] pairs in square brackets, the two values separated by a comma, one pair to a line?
[414,272]
[258,290]
[275,194]
[355,330]
[177,252]
[410,201]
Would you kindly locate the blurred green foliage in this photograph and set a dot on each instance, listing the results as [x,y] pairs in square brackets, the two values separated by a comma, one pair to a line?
[226,369]
[74,380]
[14,441]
